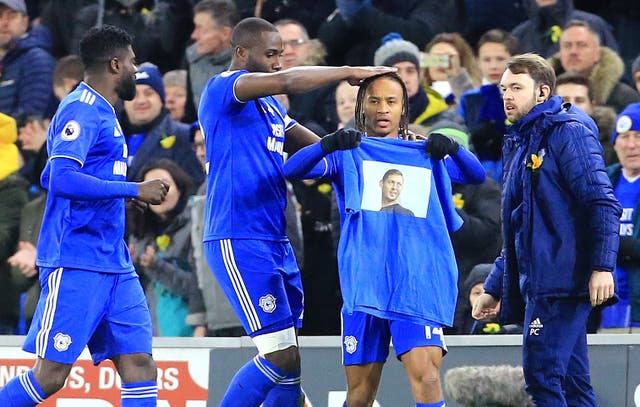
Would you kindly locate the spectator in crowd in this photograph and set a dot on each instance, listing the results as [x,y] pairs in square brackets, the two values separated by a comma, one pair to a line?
[160,30]
[32,136]
[221,320]
[210,54]
[346,96]
[67,74]
[24,272]
[577,90]
[175,89]
[315,109]
[27,65]
[560,225]
[635,72]
[149,130]
[13,189]
[459,74]
[481,107]
[547,20]
[365,22]
[381,289]
[472,288]
[626,187]
[160,245]
[55,16]
[426,106]
[582,53]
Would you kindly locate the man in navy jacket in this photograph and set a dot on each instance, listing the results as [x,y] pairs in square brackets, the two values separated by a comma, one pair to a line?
[560,225]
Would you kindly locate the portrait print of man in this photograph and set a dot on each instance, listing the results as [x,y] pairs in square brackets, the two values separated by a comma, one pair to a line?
[391,185]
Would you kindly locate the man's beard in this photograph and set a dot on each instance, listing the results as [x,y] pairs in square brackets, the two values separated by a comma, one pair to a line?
[126,88]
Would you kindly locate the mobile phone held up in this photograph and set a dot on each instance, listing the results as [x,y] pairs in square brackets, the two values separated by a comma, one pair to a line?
[434,60]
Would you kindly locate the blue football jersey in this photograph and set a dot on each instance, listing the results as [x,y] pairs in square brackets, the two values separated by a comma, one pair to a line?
[86,234]
[244,143]
[395,264]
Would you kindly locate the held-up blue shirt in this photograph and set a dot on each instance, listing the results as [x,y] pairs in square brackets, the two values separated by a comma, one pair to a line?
[244,143]
[84,219]
[396,264]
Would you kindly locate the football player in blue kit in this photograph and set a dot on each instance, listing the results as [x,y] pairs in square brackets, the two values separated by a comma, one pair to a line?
[397,272]
[91,294]
[247,132]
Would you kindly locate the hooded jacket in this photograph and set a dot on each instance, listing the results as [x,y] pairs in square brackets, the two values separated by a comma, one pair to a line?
[560,220]
[26,85]
[605,80]
[541,32]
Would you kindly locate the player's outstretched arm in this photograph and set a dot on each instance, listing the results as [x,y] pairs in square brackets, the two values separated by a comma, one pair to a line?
[301,79]
[309,163]
[463,166]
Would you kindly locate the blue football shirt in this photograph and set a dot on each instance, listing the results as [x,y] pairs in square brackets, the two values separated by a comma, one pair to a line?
[396,264]
[244,144]
[81,234]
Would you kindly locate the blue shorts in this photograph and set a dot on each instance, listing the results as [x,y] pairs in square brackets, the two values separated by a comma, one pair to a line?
[262,281]
[366,338]
[107,312]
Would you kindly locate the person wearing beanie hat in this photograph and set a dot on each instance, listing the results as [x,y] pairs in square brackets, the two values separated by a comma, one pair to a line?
[426,106]
[148,74]
[625,178]
[150,131]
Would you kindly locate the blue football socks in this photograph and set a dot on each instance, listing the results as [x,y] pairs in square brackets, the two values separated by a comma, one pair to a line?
[252,383]
[22,391]
[140,394]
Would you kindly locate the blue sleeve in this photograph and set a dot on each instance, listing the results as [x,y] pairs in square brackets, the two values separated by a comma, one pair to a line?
[73,132]
[464,168]
[66,180]
[582,167]
[307,163]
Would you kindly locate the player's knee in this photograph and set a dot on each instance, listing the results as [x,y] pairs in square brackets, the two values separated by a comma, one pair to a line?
[50,375]
[136,367]
[280,348]
[287,360]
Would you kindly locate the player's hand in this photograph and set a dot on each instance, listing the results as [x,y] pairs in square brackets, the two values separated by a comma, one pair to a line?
[358,73]
[485,308]
[601,287]
[153,191]
[343,139]
[439,145]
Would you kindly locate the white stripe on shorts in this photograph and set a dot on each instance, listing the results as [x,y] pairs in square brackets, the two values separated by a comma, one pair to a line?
[238,285]
[51,303]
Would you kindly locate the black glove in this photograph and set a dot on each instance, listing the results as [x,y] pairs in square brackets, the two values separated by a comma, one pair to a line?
[439,145]
[343,139]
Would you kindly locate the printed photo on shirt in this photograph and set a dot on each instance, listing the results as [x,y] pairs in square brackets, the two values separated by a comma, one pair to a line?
[396,188]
